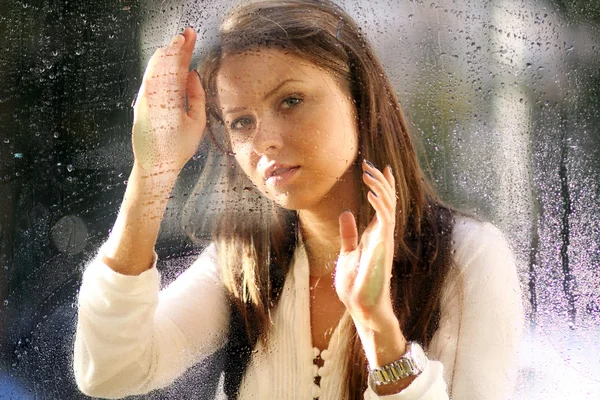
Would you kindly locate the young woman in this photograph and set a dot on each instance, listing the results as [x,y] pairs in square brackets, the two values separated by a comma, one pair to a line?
[355,283]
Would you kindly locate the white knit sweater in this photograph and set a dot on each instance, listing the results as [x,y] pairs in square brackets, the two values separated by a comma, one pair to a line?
[132,338]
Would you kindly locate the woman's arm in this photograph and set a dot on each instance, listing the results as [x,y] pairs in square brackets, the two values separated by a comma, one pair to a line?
[129,338]
[485,312]
[476,345]
[132,339]
[362,281]
[165,136]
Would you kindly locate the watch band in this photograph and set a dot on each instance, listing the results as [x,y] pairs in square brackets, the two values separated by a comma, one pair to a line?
[413,362]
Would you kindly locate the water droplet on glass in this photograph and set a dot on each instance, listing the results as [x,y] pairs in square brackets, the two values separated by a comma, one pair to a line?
[70,168]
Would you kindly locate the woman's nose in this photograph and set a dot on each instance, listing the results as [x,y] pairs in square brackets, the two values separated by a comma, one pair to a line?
[268,136]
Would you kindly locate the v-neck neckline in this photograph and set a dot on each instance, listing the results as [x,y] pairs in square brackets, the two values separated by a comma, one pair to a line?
[302,283]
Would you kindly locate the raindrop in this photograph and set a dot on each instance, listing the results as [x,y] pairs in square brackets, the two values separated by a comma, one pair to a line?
[70,168]
[5,302]
[56,135]
[70,234]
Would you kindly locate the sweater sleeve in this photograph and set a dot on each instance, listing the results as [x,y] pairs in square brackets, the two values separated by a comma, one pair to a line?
[132,338]
[489,319]
[480,325]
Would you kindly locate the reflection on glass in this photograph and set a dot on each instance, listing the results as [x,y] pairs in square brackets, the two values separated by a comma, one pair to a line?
[502,108]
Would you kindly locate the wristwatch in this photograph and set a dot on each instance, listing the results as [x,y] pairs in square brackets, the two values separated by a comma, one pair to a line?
[412,363]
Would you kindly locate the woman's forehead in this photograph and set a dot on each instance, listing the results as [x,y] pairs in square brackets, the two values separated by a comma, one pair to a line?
[255,73]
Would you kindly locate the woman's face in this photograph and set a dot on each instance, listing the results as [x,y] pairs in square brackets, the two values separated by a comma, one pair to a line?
[292,127]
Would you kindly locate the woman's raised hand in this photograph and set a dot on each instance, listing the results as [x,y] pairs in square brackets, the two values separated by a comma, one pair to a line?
[165,134]
[364,269]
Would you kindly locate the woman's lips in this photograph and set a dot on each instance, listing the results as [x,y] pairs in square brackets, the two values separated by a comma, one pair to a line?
[281,175]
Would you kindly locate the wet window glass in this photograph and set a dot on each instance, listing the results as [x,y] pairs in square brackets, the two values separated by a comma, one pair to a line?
[501,98]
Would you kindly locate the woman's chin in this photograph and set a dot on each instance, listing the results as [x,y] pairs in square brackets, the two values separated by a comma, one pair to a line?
[292,201]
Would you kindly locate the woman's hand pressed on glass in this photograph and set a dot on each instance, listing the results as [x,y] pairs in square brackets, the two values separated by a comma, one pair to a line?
[165,134]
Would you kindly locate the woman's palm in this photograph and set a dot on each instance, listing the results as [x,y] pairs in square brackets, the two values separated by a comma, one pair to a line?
[165,134]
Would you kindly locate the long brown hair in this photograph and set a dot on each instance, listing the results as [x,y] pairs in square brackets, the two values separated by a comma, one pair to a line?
[255,250]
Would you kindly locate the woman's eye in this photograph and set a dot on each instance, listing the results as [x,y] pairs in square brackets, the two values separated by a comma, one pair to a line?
[241,123]
[291,101]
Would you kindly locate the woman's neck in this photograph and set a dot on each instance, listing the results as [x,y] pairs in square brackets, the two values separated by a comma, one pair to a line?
[320,226]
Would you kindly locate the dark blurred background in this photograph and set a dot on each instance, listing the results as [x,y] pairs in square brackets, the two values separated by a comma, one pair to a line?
[503,98]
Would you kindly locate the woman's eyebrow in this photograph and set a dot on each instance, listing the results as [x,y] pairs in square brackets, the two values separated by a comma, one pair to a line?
[274,90]
[269,94]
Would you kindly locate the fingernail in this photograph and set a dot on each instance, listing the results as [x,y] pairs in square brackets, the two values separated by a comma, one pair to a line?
[197,73]
[369,163]
[391,171]
[368,173]
[347,210]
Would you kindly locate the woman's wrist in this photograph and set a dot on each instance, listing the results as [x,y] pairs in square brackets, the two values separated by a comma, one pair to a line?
[159,179]
[384,343]
[129,249]
[382,340]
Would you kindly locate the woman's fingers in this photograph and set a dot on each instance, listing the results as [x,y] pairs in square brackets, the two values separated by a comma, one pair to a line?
[187,49]
[382,195]
[382,210]
[380,178]
[196,97]
[389,176]
[167,73]
[190,42]
[348,232]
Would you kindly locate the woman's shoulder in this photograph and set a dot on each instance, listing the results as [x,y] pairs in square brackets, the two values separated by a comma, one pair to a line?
[466,227]
[485,270]
[475,240]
